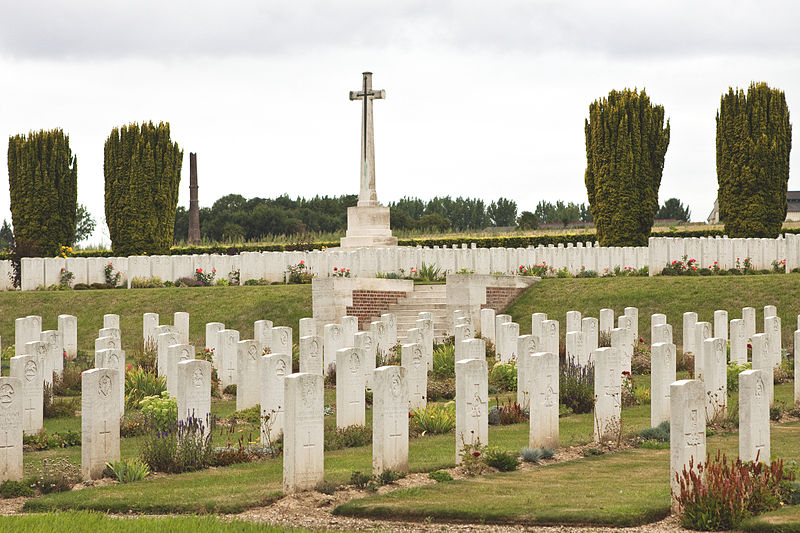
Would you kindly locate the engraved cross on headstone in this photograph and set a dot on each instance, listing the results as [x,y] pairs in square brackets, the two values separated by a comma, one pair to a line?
[105,433]
[367,195]
[4,447]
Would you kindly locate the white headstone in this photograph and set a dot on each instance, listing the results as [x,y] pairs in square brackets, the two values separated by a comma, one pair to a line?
[619,342]
[606,320]
[350,328]
[303,434]
[487,324]
[68,328]
[663,333]
[769,311]
[738,341]
[591,336]
[772,328]
[721,325]
[715,377]
[607,394]
[462,333]
[149,324]
[11,407]
[99,421]
[194,392]
[537,320]
[110,332]
[702,331]
[281,340]
[656,319]
[543,380]
[472,402]
[663,372]
[27,329]
[549,339]
[796,366]
[390,419]
[228,348]
[391,328]
[308,327]
[378,330]
[273,369]
[111,321]
[262,334]
[754,440]
[412,359]
[311,354]
[633,313]
[526,345]
[749,317]
[498,321]
[28,369]
[762,361]
[575,350]
[687,435]
[425,325]
[54,354]
[115,360]
[689,322]
[573,321]
[212,337]
[350,403]
[248,386]
[163,340]
[334,341]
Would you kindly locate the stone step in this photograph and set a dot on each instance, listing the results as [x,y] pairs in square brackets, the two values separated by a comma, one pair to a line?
[419,289]
[405,305]
[423,299]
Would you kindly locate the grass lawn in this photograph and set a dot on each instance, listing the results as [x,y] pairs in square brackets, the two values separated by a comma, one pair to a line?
[236,307]
[663,294]
[86,522]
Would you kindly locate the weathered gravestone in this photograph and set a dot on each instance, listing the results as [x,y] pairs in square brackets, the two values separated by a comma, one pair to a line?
[754,440]
[689,323]
[633,313]
[349,330]
[425,325]
[462,333]
[149,324]
[772,328]
[537,321]
[308,327]
[606,321]
[378,330]
[303,435]
[472,399]
[281,340]
[721,325]
[662,333]
[390,420]
[363,341]
[212,338]
[181,322]
[412,360]
[663,372]
[27,329]
[391,327]
[11,409]
[194,392]
[656,319]
[350,403]
[274,368]
[797,367]
[333,335]
[549,339]
[526,345]
[591,336]
[487,324]
[54,354]
[762,361]
[702,331]
[248,386]
[262,334]
[311,354]
[619,342]
[111,321]
[109,332]
[749,317]
[687,435]
[738,341]
[99,421]
[228,347]
[543,400]
[715,377]
[607,394]
[115,359]
[68,328]
[28,369]
[164,341]
[575,351]
[573,321]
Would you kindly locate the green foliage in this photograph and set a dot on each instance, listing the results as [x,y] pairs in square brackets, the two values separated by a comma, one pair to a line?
[502,460]
[15,489]
[359,480]
[251,415]
[84,224]
[429,273]
[55,475]
[509,412]
[561,213]
[162,410]
[43,182]
[659,433]
[439,214]
[754,138]
[444,360]
[140,383]
[440,476]
[718,495]
[734,369]
[6,237]
[349,437]
[504,376]
[47,441]
[534,455]
[576,387]
[129,470]
[626,141]
[387,477]
[179,447]
[142,168]
[673,209]
[434,418]
[502,213]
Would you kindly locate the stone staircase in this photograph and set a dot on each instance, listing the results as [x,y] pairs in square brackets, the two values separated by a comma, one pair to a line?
[431,298]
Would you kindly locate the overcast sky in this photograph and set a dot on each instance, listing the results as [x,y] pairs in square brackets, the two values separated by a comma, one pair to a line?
[483,99]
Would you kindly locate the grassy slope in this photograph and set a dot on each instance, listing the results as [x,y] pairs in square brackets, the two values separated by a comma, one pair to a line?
[236,307]
[669,295]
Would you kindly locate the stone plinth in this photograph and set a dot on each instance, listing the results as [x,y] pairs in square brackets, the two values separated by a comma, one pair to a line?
[368,227]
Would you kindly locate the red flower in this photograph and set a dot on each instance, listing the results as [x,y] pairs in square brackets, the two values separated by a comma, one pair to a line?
[302,262]
[199,270]
[348,270]
[476,454]
[749,345]
[626,373]
[521,267]
[128,367]
[641,339]
[335,269]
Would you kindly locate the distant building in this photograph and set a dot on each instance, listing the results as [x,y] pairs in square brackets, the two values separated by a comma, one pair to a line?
[792,208]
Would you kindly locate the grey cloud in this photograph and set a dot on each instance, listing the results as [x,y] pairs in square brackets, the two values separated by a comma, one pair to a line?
[180,28]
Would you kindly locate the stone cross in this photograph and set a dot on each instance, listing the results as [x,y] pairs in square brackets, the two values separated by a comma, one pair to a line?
[367,195]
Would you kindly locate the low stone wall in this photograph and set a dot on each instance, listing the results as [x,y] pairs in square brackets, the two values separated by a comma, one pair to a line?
[368,262]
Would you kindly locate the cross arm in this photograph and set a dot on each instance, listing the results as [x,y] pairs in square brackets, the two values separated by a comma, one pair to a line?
[359,95]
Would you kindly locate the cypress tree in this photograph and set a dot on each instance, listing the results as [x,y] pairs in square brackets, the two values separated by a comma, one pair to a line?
[754,138]
[626,141]
[43,182]
[142,170]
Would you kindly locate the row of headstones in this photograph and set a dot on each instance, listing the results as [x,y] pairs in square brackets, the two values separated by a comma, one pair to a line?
[723,252]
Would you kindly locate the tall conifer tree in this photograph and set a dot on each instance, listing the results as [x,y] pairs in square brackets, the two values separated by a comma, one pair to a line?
[754,139]
[43,182]
[142,170]
[626,141]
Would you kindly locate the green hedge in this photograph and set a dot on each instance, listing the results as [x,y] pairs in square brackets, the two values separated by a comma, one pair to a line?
[480,242]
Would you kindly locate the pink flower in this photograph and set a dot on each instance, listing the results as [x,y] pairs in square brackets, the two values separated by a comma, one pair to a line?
[199,270]
[302,262]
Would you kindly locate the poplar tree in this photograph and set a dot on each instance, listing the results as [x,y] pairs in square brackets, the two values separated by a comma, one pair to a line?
[43,182]
[626,141]
[142,170]
[754,138]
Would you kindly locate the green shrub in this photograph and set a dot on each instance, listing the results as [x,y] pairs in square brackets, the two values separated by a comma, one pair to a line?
[326,487]
[576,387]
[359,480]
[502,460]
[161,410]
[141,383]
[534,455]
[440,476]
[349,437]
[146,283]
[251,415]
[734,369]
[15,489]
[129,470]
[440,389]
[504,376]
[718,495]
[444,360]
[434,419]
[69,382]
[387,477]
[659,433]
[430,273]
[47,441]
[230,389]
[180,447]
